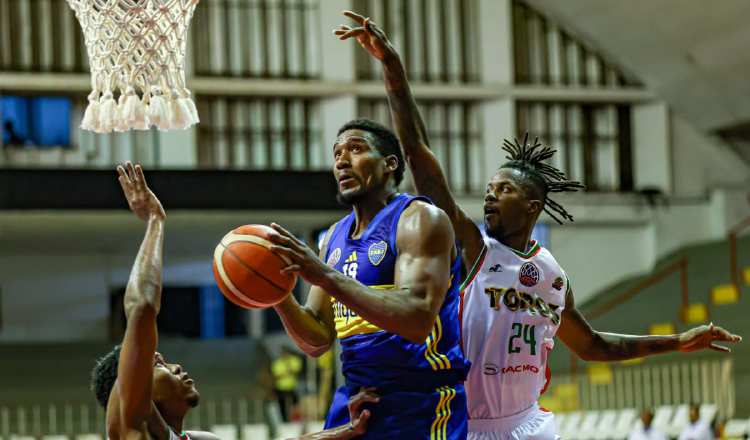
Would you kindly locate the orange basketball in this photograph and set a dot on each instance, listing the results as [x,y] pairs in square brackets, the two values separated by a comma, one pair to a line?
[248,272]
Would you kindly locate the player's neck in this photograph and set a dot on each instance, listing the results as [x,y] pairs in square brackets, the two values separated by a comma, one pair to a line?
[366,209]
[518,241]
[173,419]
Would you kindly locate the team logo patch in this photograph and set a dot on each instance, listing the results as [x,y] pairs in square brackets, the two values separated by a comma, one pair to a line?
[334,257]
[528,275]
[558,284]
[376,252]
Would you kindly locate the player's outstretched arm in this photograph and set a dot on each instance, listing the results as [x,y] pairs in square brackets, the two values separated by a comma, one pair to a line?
[357,415]
[310,326]
[593,345]
[410,128]
[422,276]
[142,302]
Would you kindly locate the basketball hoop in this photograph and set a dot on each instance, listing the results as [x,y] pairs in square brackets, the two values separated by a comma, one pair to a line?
[137,51]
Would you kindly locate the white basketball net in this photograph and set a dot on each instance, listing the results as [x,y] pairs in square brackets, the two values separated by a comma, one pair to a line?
[136,50]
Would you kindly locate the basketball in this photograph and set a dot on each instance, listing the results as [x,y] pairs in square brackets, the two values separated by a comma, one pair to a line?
[248,272]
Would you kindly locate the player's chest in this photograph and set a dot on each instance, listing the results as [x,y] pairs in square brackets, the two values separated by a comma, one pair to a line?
[370,262]
[515,290]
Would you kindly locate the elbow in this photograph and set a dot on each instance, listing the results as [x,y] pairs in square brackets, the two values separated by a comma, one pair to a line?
[418,333]
[315,351]
[140,308]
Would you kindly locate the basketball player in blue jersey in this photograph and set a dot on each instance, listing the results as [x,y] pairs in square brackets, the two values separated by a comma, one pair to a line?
[513,285]
[145,397]
[386,284]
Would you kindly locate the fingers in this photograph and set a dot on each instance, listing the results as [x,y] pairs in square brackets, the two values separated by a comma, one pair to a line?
[139,177]
[287,252]
[123,174]
[286,233]
[352,33]
[291,269]
[716,347]
[721,334]
[356,17]
[131,170]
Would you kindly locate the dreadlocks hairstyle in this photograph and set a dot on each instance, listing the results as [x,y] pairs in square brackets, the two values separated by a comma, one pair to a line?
[529,159]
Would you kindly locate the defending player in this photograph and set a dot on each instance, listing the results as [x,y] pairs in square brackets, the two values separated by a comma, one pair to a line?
[145,396]
[389,292]
[515,296]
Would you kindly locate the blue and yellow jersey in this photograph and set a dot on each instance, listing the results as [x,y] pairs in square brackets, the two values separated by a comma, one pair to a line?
[372,356]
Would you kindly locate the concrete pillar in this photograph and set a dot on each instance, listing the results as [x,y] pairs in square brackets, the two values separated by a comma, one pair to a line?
[496,36]
[651,144]
[499,123]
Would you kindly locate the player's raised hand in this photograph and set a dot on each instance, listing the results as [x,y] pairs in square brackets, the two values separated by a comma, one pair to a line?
[141,199]
[707,336]
[368,35]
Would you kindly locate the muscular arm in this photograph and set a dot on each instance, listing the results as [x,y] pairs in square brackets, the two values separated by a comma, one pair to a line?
[410,128]
[422,276]
[130,407]
[429,178]
[310,326]
[593,345]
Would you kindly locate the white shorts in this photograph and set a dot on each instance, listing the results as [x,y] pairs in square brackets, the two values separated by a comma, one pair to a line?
[531,424]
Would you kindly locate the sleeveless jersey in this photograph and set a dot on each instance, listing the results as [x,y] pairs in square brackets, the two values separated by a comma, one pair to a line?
[511,306]
[371,356]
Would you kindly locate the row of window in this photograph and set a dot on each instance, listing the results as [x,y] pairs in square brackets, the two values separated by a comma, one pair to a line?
[281,39]
[593,140]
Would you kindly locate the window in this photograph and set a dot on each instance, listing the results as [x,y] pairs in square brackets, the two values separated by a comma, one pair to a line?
[455,135]
[546,54]
[40,36]
[260,133]
[437,39]
[593,141]
[36,121]
[257,38]
[189,312]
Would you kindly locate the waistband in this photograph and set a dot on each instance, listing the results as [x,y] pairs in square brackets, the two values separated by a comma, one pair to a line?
[420,381]
[507,423]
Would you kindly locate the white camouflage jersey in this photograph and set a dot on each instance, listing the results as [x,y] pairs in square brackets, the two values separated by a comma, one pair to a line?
[511,308]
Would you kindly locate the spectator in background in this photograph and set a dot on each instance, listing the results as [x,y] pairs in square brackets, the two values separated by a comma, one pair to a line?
[286,370]
[697,429]
[11,137]
[647,431]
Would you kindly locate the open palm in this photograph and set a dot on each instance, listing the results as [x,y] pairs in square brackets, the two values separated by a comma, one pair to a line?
[368,35]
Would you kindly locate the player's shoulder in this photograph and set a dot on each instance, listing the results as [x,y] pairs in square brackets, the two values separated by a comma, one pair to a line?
[555,276]
[425,210]
[545,258]
[423,217]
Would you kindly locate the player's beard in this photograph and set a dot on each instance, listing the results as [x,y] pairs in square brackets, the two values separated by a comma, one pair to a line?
[350,199]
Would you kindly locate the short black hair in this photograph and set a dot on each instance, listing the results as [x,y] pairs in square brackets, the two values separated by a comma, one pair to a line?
[104,375]
[539,177]
[386,142]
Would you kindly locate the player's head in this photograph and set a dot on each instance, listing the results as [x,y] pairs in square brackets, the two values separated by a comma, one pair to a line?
[172,389]
[695,412]
[367,160]
[647,416]
[517,193]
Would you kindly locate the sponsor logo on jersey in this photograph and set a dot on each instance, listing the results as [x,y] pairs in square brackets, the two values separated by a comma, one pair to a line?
[558,283]
[528,275]
[494,370]
[516,301]
[491,369]
[334,257]
[376,252]
[525,368]
[496,268]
